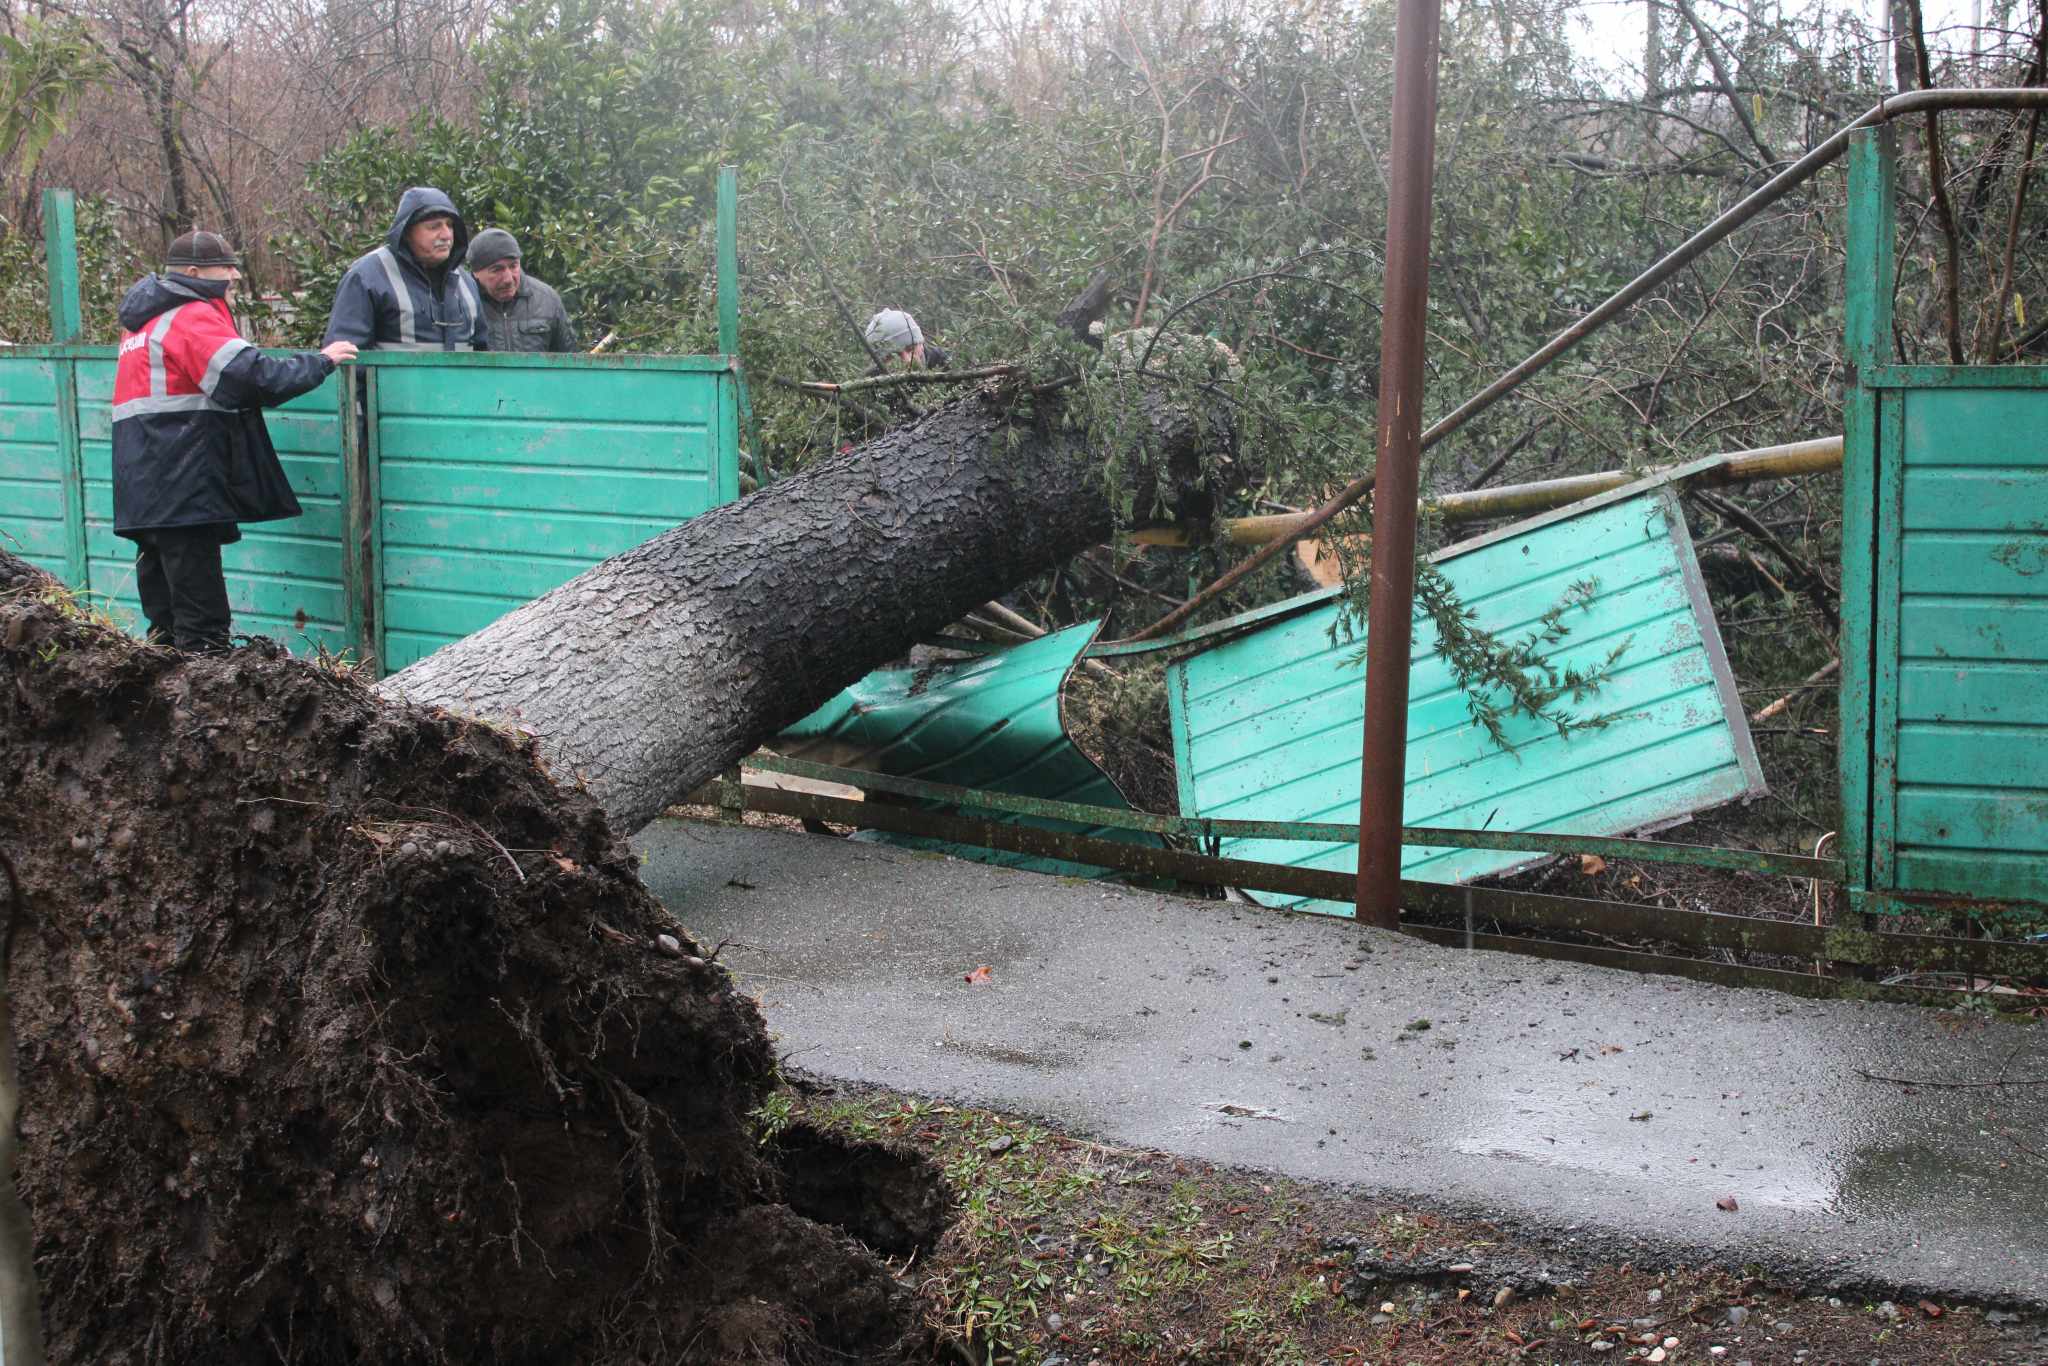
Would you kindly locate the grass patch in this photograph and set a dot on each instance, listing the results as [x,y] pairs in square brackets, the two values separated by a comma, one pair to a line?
[1077,1252]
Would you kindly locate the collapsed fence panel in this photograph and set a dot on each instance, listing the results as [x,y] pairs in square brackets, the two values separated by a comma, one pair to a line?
[994,723]
[1266,725]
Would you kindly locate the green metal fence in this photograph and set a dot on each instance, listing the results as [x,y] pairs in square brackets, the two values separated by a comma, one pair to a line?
[1945,572]
[441,489]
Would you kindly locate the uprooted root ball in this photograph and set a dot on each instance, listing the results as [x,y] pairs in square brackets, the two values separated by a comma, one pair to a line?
[347,1035]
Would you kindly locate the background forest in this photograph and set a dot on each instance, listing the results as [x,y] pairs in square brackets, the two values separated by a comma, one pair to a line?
[1224,159]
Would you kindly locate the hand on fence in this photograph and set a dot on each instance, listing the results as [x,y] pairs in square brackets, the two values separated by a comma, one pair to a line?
[339,352]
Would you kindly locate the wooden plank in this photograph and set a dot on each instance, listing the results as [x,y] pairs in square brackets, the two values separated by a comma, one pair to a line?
[1974,426]
[1938,377]
[725,482]
[1884,647]
[42,540]
[31,499]
[560,393]
[588,536]
[71,468]
[1972,818]
[1975,498]
[1987,877]
[683,445]
[2013,757]
[2008,694]
[672,497]
[284,599]
[27,425]
[27,384]
[1867,306]
[314,475]
[403,648]
[96,388]
[520,576]
[25,464]
[60,259]
[358,609]
[1978,563]
[1669,689]
[1974,628]
[441,612]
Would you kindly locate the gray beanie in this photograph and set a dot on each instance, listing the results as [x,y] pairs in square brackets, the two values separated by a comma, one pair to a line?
[491,246]
[892,330]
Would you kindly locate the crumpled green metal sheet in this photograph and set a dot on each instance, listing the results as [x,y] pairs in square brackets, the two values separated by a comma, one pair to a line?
[1268,725]
[992,723]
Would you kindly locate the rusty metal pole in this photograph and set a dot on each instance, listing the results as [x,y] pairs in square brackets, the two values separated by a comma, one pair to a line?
[1411,190]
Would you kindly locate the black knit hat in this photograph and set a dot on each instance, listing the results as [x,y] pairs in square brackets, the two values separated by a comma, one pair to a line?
[202,249]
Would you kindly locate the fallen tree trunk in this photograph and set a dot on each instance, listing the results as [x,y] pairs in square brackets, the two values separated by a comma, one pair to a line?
[660,667]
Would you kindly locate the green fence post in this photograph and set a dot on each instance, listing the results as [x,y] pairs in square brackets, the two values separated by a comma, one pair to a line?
[729,308]
[60,253]
[360,574]
[71,462]
[1867,328]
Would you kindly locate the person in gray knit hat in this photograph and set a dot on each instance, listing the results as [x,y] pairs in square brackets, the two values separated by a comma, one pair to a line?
[521,313]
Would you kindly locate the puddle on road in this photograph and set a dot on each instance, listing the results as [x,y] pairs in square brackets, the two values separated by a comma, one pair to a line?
[1598,1135]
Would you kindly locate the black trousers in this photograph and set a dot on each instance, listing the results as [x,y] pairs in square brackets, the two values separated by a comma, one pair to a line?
[184,595]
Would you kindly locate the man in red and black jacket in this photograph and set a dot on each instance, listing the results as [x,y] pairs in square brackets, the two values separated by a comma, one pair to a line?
[192,457]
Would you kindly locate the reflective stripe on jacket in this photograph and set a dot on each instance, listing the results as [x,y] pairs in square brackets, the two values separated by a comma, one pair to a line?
[390,302]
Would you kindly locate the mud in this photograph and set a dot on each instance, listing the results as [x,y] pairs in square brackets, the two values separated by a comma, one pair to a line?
[347,1034]
[888,1195]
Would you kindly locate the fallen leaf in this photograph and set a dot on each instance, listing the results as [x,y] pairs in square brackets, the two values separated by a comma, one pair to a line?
[567,865]
[1588,1325]
[1930,1309]
[1640,1115]
[979,976]
[1592,865]
[1512,1336]
[1727,1202]
[1607,1048]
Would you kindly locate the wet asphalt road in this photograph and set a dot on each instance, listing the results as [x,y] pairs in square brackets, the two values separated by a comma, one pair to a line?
[1606,1110]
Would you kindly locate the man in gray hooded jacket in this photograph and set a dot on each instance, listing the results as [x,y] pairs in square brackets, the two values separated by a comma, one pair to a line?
[521,311]
[412,294]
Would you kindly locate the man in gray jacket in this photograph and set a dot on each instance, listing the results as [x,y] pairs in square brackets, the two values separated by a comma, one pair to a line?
[520,312]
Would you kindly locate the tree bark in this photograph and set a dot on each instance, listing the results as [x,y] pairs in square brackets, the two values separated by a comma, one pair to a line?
[663,666]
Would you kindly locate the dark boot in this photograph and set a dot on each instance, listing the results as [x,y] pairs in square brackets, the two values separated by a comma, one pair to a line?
[193,612]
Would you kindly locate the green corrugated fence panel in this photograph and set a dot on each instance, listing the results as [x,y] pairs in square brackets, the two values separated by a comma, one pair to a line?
[31,463]
[992,723]
[1268,725]
[501,482]
[501,478]
[1970,742]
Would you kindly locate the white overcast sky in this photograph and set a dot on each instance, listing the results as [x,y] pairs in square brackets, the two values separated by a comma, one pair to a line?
[1611,31]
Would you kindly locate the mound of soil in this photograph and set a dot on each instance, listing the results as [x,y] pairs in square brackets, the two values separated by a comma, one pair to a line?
[347,1035]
